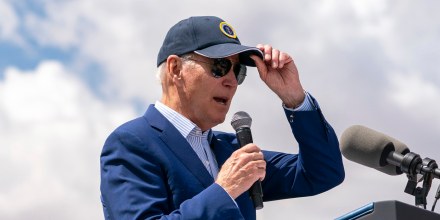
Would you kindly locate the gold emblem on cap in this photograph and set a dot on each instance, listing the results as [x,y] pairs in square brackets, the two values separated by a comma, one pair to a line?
[227,30]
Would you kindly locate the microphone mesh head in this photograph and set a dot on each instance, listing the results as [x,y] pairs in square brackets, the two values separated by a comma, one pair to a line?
[371,148]
[240,120]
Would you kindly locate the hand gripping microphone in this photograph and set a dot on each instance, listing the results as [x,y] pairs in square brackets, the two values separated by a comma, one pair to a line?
[241,122]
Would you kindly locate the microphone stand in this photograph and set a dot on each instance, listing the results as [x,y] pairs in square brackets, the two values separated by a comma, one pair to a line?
[437,196]
[413,165]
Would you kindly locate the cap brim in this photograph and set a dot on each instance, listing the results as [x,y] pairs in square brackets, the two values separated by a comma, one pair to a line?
[226,50]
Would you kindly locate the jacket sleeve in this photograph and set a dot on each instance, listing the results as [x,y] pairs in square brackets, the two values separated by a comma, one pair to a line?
[316,168]
[134,186]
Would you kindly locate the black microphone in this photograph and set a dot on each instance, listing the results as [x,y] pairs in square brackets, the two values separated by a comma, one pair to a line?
[384,153]
[241,122]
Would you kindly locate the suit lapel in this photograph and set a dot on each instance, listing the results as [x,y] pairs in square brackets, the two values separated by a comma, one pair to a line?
[222,150]
[178,145]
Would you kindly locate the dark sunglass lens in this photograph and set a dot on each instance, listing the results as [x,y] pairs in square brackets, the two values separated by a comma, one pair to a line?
[240,73]
[217,71]
[221,67]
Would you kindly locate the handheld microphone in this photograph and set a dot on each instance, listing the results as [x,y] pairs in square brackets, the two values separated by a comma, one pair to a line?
[241,122]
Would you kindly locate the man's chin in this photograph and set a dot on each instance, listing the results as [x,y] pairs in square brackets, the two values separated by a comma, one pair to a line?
[219,120]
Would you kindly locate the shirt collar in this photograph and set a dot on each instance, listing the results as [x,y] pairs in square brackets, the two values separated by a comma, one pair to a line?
[185,126]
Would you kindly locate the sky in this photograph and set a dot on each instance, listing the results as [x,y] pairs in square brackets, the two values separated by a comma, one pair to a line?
[72,71]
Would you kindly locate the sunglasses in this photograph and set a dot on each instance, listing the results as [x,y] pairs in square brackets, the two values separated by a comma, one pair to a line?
[221,66]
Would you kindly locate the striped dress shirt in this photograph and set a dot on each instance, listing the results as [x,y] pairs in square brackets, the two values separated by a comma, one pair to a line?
[198,139]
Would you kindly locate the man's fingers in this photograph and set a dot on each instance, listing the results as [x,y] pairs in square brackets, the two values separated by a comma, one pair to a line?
[245,166]
[260,47]
[267,51]
[244,159]
[249,148]
[262,68]
[248,154]
[284,59]
[248,157]
[256,170]
[275,58]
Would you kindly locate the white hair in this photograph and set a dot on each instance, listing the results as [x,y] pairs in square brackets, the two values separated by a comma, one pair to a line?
[160,75]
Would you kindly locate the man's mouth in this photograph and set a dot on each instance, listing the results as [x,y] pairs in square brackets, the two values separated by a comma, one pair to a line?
[221,100]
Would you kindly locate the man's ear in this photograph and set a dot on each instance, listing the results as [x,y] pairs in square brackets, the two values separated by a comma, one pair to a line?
[174,68]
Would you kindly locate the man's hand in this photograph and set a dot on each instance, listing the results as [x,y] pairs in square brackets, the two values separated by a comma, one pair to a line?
[280,74]
[245,166]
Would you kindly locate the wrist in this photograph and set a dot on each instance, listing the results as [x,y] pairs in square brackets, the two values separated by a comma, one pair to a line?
[294,101]
[229,190]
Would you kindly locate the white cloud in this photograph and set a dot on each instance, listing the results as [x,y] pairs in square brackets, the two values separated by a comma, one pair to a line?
[413,91]
[416,95]
[9,21]
[51,135]
[116,36]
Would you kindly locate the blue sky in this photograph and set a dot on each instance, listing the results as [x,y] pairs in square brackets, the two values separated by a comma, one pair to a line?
[71,71]
[26,56]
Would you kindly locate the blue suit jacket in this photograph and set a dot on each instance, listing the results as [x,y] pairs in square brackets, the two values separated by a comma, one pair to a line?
[149,171]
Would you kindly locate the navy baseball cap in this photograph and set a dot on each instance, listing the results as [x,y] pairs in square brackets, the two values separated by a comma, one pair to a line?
[208,36]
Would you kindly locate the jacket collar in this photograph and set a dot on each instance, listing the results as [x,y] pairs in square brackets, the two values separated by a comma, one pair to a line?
[178,145]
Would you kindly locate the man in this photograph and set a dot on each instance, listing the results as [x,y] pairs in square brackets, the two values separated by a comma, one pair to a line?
[169,164]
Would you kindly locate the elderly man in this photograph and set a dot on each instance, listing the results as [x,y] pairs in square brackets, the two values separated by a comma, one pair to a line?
[169,164]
